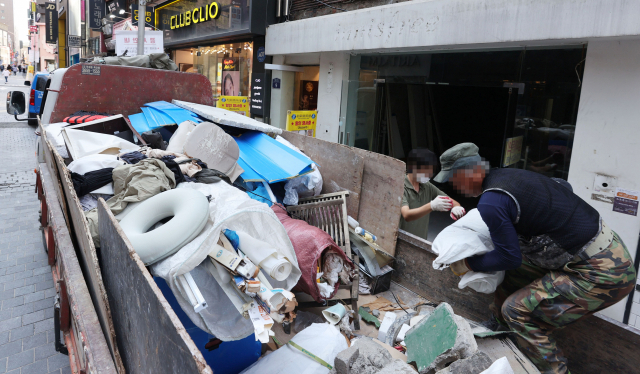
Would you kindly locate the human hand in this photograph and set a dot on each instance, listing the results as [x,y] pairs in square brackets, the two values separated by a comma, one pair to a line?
[441,204]
[457,212]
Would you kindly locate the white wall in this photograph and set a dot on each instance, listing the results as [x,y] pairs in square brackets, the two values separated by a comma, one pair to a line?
[282,99]
[334,69]
[607,139]
[446,24]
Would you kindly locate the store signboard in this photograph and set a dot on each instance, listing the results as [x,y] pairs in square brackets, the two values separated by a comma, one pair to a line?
[128,41]
[188,20]
[74,41]
[238,104]
[148,15]
[302,120]
[51,22]
[258,94]
[33,28]
[97,11]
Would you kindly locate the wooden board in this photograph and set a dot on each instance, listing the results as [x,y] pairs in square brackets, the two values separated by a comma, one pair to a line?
[593,345]
[49,159]
[93,349]
[341,168]
[381,197]
[88,258]
[151,337]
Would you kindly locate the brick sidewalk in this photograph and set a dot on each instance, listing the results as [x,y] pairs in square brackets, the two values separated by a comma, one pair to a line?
[26,284]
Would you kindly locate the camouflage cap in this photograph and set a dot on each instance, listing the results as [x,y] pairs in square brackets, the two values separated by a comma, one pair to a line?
[457,157]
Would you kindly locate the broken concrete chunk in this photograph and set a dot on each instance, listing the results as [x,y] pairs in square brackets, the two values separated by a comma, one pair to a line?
[439,339]
[371,357]
[475,364]
[376,313]
[345,359]
[397,367]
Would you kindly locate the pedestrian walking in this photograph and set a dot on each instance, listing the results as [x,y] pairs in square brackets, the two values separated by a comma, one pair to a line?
[5,74]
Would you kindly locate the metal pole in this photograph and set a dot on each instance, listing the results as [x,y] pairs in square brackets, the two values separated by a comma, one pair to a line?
[142,14]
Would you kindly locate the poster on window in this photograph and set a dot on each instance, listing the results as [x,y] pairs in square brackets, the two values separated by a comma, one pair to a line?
[238,104]
[230,83]
[128,41]
[308,95]
[302,121]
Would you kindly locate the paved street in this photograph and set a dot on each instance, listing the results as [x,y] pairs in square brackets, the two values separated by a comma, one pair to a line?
[26,285]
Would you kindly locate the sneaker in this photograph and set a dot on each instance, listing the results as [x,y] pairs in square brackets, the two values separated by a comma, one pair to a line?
[494,325]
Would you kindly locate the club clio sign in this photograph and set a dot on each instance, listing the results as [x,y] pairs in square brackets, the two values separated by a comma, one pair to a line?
[196,15]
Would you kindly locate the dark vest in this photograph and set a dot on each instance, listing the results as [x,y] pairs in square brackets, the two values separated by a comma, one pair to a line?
[545,207]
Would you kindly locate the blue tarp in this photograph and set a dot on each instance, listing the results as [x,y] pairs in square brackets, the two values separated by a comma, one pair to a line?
[265,159]
[177,114]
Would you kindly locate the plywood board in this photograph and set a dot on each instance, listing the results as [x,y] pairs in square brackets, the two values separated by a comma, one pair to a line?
[341,167]
[592,345]
[88,258]
[381,197]
[93,348]
[152,338]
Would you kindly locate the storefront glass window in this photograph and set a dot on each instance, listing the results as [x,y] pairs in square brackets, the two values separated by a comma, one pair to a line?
[518,106]
[228,67]
[188,20]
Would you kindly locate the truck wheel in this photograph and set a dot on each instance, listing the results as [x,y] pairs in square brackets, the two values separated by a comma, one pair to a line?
[33,120]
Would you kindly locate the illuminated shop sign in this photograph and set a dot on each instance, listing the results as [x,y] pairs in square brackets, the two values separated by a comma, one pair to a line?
[196,15]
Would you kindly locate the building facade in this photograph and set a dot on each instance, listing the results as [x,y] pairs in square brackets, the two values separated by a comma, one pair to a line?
[547,86]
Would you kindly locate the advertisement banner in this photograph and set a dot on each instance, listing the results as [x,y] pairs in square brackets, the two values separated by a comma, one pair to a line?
[302,120]
[308,95]
[238,104]
[128,41]
[512,151]
[97,11]
[51,22]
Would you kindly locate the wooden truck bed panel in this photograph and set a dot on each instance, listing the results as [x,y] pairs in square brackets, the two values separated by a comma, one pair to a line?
[91,350]
[151,337]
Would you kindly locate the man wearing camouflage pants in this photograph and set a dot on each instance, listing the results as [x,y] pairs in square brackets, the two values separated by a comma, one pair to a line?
[562,261]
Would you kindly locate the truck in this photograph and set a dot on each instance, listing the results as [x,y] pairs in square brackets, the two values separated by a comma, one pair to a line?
[111,327]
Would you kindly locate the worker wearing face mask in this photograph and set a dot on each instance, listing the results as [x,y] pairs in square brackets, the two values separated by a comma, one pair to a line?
[421,197]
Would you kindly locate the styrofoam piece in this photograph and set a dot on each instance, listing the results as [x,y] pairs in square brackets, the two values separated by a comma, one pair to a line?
[500,366]
[402,332]
[228,118]
[387,322]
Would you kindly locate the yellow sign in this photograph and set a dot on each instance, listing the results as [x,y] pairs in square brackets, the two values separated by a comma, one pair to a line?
[238,104]
[196,15]
[30,69]
[512,151]
[302,120]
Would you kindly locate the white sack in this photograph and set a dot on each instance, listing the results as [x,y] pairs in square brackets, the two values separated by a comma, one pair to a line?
[54,135]
[500,366]
[84,143]
[469,236]
[232,209]
[321,339]
[93,163]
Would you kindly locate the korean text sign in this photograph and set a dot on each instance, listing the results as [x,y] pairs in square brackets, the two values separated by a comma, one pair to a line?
[298,120]
[128,41]
[238,104]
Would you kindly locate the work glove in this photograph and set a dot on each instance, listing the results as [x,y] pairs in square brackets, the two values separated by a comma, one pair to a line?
[459,268]
[457,212]
[441,204]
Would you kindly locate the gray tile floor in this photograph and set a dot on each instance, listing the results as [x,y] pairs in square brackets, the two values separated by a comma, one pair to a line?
[26,284]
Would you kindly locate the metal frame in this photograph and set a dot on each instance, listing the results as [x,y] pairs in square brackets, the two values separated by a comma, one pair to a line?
[328,212]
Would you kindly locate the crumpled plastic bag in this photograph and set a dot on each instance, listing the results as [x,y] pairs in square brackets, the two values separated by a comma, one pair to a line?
[307,185]
[469,236]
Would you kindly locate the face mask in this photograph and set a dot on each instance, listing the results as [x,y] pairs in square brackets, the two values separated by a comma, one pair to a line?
[422,178]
